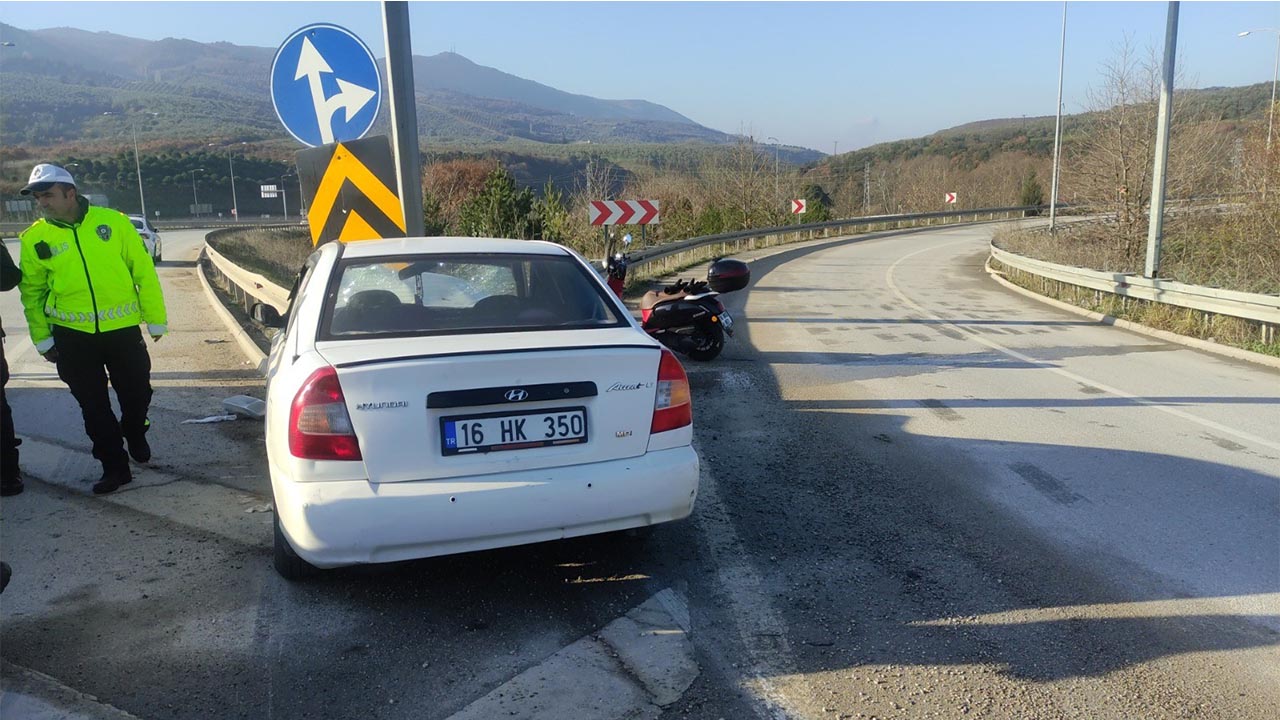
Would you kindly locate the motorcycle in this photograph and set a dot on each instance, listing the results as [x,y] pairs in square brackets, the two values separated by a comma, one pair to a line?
[687,316]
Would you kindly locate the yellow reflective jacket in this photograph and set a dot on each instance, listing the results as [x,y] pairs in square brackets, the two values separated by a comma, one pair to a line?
[93,275]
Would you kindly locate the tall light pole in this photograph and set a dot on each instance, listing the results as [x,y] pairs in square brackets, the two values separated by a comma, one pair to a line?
[137,163]
[235,206]
[195,200]
[302,199]
[1155,227]
[1275,74]
[284,194]
[1057,127]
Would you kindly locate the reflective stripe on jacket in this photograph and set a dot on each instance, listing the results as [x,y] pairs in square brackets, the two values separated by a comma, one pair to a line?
[95,276]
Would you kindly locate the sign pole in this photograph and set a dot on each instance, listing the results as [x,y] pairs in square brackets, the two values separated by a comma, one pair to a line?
[404,114]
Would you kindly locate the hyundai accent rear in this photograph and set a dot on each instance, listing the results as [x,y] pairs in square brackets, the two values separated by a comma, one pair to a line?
[443,395]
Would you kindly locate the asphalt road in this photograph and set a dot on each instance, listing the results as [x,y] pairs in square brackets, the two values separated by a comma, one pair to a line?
[923,496]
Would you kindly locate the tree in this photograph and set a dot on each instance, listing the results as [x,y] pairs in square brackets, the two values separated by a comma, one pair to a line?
[433,220]
[553,220]
[743,185]
[1110,166]
[818,204]
[498,210]
[450,184]
[1031,192]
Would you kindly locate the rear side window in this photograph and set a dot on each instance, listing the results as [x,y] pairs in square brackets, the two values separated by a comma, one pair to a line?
[447,294]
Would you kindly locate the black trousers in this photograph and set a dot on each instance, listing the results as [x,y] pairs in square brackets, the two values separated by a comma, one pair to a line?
[8,438]
[85,362]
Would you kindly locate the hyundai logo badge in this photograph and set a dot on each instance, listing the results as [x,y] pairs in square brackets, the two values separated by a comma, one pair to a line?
[516,395]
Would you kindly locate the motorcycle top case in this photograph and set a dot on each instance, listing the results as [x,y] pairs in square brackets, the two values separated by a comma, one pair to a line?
[726,275]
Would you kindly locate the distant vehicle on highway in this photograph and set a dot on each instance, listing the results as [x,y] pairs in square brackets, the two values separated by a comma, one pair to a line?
[432,396]
[150,237]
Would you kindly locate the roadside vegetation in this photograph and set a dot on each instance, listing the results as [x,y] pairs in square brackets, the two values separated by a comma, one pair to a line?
[1220,227]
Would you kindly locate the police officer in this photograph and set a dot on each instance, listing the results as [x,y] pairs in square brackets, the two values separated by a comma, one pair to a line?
[87,284]
[10,475]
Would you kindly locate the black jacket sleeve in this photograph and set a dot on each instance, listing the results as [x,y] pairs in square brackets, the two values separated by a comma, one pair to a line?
[10,274]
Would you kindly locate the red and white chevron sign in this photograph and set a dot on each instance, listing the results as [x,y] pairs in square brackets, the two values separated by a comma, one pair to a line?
[625,212]
[949,198]
[798,206]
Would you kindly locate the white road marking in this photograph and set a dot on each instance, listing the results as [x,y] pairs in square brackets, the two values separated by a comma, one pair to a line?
[761,629]
[976,337]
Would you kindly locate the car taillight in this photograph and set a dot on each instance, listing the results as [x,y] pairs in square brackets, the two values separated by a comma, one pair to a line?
[319,426]
[673,407]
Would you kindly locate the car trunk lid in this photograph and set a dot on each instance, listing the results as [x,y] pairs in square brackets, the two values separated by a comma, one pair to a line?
[439,407]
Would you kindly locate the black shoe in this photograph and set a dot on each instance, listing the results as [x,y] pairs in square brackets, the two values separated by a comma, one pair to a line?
[111,480]
[11,487]
[139,450]
[5,574]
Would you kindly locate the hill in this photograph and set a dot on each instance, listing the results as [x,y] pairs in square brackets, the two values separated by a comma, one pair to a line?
[973,143]
[56,85]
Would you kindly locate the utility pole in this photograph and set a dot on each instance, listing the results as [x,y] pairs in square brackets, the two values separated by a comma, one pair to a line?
[1156,225]
[235,206]
[866,188]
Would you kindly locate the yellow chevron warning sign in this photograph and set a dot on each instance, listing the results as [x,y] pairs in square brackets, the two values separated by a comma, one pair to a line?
[350,189]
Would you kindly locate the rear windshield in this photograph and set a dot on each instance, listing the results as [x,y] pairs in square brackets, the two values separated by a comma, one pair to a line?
[463,294]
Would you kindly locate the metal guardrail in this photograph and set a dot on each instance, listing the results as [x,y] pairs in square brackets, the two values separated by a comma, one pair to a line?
[248,287]
[1259,308]
[828,228]
[243,286]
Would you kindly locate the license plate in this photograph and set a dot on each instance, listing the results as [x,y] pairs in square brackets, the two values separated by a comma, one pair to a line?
[493,432]
[726,320]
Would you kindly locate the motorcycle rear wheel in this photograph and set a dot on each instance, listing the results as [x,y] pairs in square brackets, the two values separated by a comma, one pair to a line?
[710,341]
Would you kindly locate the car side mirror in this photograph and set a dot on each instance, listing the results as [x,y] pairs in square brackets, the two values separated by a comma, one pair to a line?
[266,315]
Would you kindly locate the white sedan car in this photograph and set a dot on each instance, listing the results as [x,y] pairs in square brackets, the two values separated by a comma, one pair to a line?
[150,238]
[431,396]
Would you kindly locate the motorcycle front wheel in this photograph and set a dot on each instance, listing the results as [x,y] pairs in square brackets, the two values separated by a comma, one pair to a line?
[708,342]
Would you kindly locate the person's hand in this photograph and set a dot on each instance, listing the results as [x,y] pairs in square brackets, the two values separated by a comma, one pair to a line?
[51,355]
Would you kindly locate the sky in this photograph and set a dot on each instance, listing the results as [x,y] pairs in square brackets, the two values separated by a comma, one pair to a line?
[831,76]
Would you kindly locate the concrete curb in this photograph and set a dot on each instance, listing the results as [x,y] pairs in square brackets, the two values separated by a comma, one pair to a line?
[247,345]
[1196,343]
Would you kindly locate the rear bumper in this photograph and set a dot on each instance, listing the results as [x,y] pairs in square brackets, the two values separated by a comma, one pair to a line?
[330,524]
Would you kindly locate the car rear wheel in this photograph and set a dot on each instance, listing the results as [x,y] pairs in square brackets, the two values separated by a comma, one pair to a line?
[286,561]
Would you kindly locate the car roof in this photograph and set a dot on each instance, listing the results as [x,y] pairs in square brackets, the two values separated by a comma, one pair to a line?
[416,245]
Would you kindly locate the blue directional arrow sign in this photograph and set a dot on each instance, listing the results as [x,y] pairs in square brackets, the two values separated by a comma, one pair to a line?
[325,85]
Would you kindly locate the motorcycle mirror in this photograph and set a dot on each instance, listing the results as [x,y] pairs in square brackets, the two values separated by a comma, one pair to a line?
[626,239]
